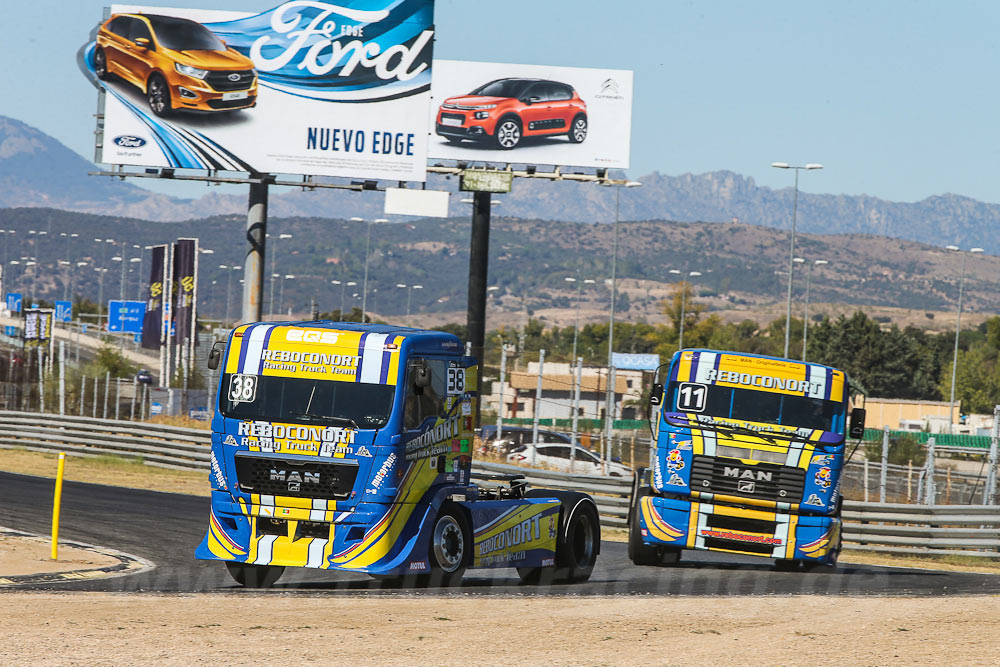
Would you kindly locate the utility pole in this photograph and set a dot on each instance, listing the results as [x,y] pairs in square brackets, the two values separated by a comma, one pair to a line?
[537,406]
[576,412]
[503,376]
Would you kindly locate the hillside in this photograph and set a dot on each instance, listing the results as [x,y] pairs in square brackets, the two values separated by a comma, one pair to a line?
[38,171]
[529,261]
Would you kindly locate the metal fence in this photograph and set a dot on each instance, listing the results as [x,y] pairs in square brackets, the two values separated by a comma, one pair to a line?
[972,530]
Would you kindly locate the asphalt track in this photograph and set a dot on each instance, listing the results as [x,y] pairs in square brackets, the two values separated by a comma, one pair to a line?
[166,527]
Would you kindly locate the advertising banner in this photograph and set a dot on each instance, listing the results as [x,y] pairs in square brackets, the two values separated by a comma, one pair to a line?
[318,87]
[152,322]
[14,300]
[37,325]
[531,114]
[64,311]
[126,316]
[185,251]
[635,362]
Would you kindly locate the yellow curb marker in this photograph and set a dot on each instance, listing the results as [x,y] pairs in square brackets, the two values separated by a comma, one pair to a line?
[55,506]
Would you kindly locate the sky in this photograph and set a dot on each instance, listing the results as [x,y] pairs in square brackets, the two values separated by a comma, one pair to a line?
[897,99]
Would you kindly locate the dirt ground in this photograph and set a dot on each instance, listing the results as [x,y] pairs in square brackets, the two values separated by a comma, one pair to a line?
[20,555]
[84,628]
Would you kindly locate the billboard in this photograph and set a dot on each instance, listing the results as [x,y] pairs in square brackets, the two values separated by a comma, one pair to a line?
[185,251]
[14,300]
[531,114]
[152,324]
[329,88]
[37,325]
[635,362]
[126,316]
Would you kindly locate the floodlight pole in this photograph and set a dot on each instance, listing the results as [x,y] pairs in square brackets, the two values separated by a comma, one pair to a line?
[479,251]
[253,265]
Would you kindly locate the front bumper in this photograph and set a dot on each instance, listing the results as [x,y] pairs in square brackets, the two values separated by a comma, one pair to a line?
[470,132]
[198,96]
[372,538]
[674,522]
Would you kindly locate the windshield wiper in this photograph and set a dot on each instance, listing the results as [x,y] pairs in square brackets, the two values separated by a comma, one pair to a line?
[327,418]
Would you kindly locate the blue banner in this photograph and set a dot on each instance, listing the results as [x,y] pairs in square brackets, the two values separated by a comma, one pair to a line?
[126,316]
[14,302]
[64,311]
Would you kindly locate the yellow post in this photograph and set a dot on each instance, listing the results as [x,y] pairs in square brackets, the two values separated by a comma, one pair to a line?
[55,506]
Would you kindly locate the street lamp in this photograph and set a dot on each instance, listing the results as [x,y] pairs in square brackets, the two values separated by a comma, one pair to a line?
[791,249]
[281,292]
[274,253]
[805,322]
[409,291]
[229,283]
[958,326]
[692,274]
[343,287]
[368,245]
[576,323]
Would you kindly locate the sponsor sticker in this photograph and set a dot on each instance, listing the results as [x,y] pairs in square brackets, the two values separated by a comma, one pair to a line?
[675,480]
[814,500]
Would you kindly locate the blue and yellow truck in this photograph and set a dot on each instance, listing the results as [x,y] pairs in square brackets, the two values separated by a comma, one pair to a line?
[349,447]
[748,457]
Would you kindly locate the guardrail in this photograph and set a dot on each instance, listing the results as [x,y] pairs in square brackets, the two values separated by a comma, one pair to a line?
[968,530]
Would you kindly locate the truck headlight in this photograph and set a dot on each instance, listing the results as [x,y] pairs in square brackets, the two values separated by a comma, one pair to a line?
[187,70]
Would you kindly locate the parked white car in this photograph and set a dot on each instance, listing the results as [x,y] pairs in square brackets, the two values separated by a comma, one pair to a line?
[557,457]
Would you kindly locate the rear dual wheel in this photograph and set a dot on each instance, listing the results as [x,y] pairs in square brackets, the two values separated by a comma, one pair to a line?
[577,544]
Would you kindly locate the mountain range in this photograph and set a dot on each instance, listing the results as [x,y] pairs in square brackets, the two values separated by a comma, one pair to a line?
[38,171]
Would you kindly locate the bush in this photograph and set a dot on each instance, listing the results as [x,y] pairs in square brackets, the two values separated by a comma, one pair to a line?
[902,450]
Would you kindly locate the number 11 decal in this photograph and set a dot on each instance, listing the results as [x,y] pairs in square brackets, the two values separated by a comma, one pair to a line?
[691,397]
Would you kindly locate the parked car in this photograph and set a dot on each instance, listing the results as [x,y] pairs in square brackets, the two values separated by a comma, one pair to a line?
[557,457]
[515,436]
[143,376]
[506,110]
[177,63]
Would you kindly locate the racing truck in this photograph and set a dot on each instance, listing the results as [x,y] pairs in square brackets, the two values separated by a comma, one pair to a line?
[349,447]
[748,457]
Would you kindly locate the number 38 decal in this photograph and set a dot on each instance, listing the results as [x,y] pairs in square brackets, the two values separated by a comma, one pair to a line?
[456,381]
[242,388]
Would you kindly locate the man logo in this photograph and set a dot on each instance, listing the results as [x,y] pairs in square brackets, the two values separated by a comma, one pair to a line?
[744,473]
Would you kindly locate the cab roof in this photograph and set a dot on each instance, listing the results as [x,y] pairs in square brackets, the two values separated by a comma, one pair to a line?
[419,340]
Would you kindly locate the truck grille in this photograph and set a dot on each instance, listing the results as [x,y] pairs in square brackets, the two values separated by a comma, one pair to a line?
[295,477]
[731,477]
[221,81]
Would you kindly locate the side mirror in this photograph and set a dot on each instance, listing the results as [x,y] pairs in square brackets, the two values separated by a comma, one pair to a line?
[215,355]
[422,376]
[142,42]
[856,429]
[656,394]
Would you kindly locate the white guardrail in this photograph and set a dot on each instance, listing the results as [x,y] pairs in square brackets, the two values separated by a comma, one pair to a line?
[970,530]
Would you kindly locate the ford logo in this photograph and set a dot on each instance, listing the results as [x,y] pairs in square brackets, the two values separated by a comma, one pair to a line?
[235,77]
[129,141]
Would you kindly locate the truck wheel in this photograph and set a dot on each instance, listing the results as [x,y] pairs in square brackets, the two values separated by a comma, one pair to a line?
[578,542]
[450,548]
[639,552]
[255,576]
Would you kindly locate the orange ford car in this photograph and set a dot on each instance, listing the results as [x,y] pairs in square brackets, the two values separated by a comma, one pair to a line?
[179,64]
[506,110]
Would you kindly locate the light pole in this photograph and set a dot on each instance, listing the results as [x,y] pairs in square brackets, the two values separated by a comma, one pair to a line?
[958,327]
[791,248]
[274,253]
[576,323]
[805,322]
[343,288]
[368,246]
[138,289]
[281,294]
[684,284]
[229,283]
[409,290]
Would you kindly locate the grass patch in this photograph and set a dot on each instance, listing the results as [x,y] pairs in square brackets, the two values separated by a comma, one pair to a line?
[106,469]
[186,422]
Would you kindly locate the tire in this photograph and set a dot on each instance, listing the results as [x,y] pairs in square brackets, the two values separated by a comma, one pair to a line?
[101,65]
[508,133]
[786,565]
[254,576]
[450,548]
[639,552]
[158,96]
[578,542]
[578,130]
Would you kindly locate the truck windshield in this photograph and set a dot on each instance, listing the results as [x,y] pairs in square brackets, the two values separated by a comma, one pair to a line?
[282,399]
[762,406]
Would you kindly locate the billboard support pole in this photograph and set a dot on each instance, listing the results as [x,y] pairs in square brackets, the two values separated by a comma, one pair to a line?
[479,251]
[253,265]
